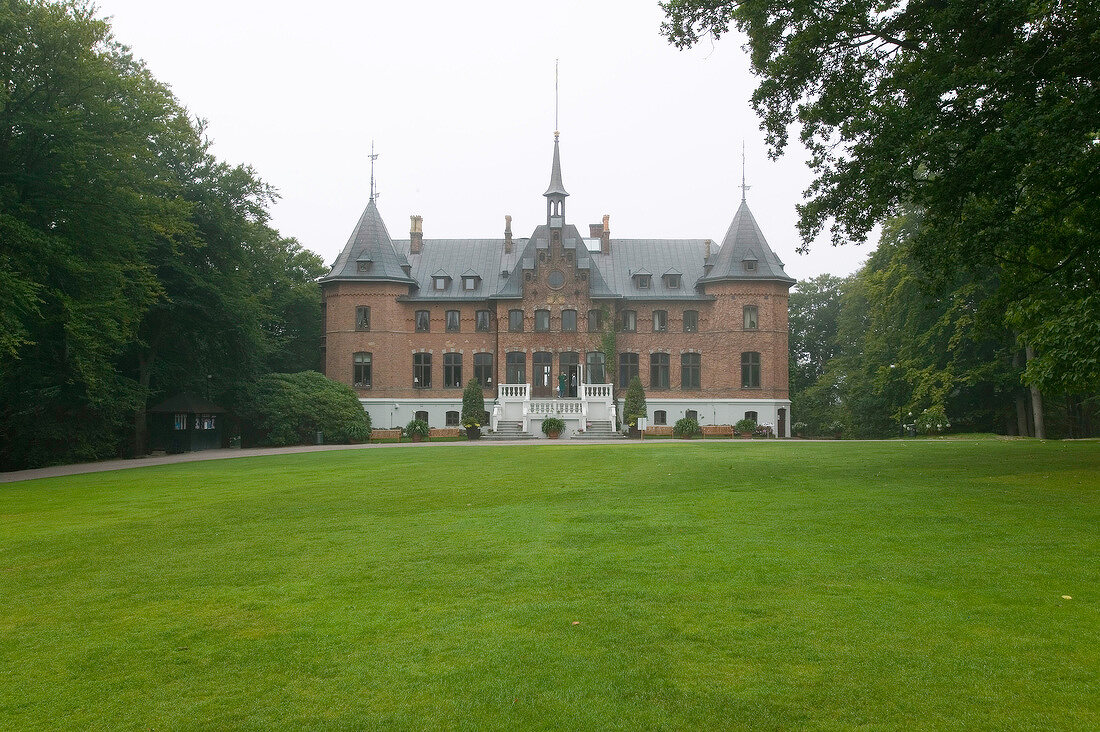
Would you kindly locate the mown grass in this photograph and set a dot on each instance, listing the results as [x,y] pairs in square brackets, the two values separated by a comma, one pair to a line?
[720,585]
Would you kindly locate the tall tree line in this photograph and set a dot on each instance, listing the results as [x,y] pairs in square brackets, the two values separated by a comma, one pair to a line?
[871,353]
[133,264]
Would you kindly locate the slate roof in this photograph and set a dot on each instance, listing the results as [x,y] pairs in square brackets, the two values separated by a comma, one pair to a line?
[744,241]
[370,241]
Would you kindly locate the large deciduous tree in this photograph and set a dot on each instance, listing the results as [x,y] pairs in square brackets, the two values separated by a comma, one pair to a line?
[984,116]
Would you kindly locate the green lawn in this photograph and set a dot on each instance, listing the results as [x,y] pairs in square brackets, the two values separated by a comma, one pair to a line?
[726,584]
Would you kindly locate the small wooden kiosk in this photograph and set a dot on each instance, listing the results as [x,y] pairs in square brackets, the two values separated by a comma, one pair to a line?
[185,423]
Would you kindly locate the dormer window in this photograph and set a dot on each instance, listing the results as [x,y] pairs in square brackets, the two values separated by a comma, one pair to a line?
[672,281]
[470,282]
[440,283]
[750,265]
[363,265]
[643,280]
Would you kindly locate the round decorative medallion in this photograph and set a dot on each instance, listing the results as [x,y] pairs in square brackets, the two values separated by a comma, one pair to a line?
[556,279]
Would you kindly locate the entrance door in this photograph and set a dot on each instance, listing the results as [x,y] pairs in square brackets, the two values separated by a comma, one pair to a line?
[544,384]
[781,428]
[570,366]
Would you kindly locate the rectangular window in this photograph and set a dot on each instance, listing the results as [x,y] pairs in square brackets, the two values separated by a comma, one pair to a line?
[542,369]
[568,321]
[515,321]
[689,370]
[483,369]
[361,377]
[423,321]
[542,321]
[628,321]
[750,370]
[594,363]
[204,421]
[660,321]
[658,370]
[452,370]
[642,281]
[362,318]
[660,417]
[595,321]
[672,281]
[691,321]
[452,419]
[452,321]
[628,368]
[470,283]
[180,422]
[440,283]
[422,370]
[515,368]
[482,322]
[750,317]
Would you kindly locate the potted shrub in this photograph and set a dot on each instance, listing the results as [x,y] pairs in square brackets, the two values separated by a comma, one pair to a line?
[473,409]
[745,427]
[685,428]
[417,430]
[634,405]
[552,427]
[799,429]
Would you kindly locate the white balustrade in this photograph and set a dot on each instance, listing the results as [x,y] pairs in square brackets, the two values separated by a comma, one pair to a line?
[555,406]
[597,391]
[514,392]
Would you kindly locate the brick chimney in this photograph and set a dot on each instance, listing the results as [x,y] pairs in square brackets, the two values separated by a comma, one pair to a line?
[706,252]
[507,234]
[605,235]
[416,233]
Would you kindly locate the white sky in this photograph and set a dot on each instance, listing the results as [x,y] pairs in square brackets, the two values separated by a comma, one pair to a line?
[459,98]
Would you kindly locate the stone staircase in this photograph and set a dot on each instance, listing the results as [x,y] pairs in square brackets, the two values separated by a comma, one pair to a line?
[600,430]
[508,431]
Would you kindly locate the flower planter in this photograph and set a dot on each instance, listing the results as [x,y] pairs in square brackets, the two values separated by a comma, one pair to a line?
[634,433]
[473,433]
[553,435]
[416,438]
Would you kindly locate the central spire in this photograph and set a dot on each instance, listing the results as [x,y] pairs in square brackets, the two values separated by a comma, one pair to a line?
[556,193]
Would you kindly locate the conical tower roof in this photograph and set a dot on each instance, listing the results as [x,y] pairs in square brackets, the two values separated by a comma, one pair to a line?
[370,243]
[744,242]
[556,187]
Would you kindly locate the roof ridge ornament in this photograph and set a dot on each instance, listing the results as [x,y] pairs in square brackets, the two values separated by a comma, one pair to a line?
[743,186]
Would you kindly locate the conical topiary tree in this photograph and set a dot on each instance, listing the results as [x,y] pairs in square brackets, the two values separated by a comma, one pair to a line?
[473,405]
[634,403]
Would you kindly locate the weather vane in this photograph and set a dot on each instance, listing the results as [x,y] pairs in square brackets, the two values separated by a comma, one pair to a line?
[743,186]
[373,157]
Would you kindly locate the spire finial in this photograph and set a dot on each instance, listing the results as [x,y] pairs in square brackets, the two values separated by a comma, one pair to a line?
[373,157]
[743,186]
[555,99]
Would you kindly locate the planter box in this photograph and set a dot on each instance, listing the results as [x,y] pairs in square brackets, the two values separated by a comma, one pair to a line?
[385,435]
[717,430]
[444,432]
[661,430]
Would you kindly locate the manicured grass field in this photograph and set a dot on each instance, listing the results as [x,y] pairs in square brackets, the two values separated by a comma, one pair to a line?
[718,585]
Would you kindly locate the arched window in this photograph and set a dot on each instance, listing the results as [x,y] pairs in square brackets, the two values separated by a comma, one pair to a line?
[751,317]
[542,321]
[692,414]
[422,370]
[515,368]
[452,370]
[659,417]
[595,362]
[568,321]
[628,321]
[691,321]
[361,377]
[483,368]
[515,321]
[595,321]
[658,371]
[542,372]
[660,321]
[452,419]
[750,370]
[690,366]
[751,415]
[628,368]
[422,416]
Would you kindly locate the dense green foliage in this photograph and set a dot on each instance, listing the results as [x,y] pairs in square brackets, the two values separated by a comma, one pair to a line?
[133,265]
[417,428]
[715,585]
[745,426]
[290,409]
[980,116]
[553,425]
[473,405]
[686,427]
[634,403]
[874,351]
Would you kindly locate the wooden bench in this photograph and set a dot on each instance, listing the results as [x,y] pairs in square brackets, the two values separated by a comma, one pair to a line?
[376,434]
[659,430]
[444,432]
[717,430]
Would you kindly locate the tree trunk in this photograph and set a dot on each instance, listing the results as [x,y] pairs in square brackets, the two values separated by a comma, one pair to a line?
[1021,402]
[1036,401]
[141,436]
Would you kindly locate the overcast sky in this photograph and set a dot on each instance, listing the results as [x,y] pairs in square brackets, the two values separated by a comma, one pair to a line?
[459,99]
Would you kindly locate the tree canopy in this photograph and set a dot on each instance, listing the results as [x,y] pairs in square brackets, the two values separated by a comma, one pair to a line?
[133,264]
[981,116]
